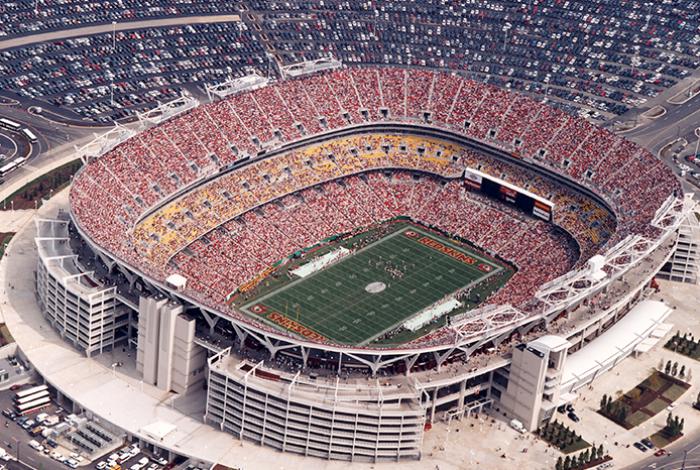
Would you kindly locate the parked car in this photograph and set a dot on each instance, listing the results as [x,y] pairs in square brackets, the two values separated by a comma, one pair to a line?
[101,465]
[640,446]
[647,443]
[573,417]
[661,452]
[161,461]
[36,446]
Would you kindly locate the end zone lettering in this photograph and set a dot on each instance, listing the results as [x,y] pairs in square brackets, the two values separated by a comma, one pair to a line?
[451,252]
[291,325]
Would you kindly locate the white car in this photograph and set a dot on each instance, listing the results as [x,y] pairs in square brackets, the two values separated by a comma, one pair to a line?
[35,445]
[101,465]
[161,461]
[143,461]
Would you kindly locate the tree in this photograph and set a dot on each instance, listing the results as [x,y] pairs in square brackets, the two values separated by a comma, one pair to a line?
[601,451]
[682,372]
[603,401]
[674,369]
[586,455]
[560,464]
[567,462]
[667,369]
[581,459]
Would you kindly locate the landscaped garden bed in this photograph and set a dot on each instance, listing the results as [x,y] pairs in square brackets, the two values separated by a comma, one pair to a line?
[684,344]
[644,401]
[562,437]
[31,194]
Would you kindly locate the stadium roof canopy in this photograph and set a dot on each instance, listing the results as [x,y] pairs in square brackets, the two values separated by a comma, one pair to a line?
[613,345]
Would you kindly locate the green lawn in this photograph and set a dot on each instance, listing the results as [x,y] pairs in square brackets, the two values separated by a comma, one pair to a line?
[334,304]
[674,392]
[661,440]
[657,405]
[4,240]
[575,447]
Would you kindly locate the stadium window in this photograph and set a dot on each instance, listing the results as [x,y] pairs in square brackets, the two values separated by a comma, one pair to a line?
[566,163]
[402,147]
[427,117]
[589,174]
[323,122]
[277,133]
[467,124]
[194,167]
[300,128]
[384,112]
[157,189]
[139,201]
[386,148]
[175,179]
[492,133]
[368,148]
[517,142]
[365,114]
[234,150]
[346,116]
[541,153]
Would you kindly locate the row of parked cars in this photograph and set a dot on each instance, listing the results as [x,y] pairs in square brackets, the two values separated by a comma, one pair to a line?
[72,460]
[118,460]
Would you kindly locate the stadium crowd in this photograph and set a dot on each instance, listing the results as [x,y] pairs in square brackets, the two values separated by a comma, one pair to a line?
[274,205]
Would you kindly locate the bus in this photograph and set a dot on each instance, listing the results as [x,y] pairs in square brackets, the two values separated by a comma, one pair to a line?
[13,165]
[30,391]
[10,125]
[33,405]
[32,397]
[31,137]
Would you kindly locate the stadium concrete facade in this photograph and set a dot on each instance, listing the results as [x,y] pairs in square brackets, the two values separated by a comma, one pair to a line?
[133,264]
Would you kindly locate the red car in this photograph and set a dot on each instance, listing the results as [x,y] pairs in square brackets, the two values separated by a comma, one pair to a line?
[661,452]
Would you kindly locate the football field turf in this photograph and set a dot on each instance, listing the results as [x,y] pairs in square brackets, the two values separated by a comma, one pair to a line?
[416,268]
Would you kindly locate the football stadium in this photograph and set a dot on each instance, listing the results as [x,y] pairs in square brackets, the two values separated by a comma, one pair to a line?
[421,222]
[322,256]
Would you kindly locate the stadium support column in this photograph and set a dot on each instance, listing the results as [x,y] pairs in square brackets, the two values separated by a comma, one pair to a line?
[534,380]
[166,353]
[462,393]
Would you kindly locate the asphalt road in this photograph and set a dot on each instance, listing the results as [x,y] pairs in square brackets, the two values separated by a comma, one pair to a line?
[689,444]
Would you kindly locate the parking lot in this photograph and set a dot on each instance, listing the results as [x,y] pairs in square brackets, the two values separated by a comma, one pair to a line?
[29,441]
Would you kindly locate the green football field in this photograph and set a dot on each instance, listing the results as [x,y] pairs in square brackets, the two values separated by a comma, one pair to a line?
[411,268]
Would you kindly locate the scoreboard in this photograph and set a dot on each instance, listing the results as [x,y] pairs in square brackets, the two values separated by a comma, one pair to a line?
[509,193]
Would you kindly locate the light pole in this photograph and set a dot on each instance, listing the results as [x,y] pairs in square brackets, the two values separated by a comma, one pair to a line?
[114,35]
[16,447]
